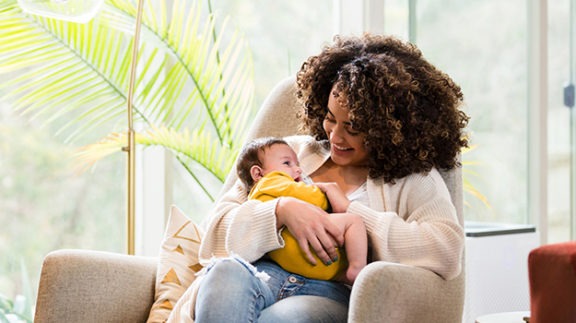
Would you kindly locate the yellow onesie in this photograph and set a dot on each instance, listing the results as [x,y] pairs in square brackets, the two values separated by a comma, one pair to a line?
[291,258]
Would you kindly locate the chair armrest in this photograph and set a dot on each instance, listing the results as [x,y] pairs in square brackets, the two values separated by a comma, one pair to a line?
[390,292]
[95,286]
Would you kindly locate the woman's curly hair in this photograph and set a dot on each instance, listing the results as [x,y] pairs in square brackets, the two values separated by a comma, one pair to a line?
[407,108]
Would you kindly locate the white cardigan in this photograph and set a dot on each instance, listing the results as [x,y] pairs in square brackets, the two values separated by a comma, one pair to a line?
[411,222]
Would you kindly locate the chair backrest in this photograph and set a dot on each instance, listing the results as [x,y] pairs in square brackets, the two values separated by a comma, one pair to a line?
[277,117]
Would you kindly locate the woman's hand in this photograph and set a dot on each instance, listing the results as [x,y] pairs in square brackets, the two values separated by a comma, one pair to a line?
[311,227]
[336,196]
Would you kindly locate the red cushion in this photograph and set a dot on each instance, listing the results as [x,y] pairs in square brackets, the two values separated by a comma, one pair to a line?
[552,273]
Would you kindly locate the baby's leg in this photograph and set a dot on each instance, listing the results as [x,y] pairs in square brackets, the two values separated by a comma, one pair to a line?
[355,243]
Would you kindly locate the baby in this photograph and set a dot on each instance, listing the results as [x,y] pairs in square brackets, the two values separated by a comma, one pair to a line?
[270,169]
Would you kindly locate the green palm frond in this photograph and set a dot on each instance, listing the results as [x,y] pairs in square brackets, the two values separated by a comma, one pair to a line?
[194,72]
[470,189]
[189,147]
[217,75]
[184,71]
[87,156]
[53,79]
[195,145]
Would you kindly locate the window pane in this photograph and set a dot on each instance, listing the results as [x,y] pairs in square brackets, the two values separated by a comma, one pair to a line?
[46,204]
[281,34]
[396,18]
[559,121]
[482,45]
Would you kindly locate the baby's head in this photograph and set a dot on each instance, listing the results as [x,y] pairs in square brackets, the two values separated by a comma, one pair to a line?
[264,155]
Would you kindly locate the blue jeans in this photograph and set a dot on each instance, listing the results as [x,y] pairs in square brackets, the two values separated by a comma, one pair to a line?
[235,291]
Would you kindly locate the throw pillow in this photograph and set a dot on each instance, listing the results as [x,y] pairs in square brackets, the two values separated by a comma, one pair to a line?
[177,265]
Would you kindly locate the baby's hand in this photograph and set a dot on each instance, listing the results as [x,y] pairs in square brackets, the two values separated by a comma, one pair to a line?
[336,196]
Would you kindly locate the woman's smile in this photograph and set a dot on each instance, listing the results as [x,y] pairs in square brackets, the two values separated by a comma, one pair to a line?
[342,151]
[346,144]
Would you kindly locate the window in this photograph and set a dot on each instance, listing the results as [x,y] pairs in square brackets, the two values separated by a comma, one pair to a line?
[46,204]
[483,45]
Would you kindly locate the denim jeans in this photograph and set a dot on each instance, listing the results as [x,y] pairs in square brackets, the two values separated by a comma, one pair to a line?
[236,291]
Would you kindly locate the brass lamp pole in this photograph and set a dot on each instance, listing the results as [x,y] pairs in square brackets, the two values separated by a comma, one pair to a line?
[131,148]
[81,11]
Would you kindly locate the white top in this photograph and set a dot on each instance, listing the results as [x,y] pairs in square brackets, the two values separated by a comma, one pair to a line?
[360,195]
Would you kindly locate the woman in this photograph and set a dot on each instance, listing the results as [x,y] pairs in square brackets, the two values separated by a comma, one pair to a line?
[382,121]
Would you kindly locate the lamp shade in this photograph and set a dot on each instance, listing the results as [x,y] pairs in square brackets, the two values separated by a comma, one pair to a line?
[80,11]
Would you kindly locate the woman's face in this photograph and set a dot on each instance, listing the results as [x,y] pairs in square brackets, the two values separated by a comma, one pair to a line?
[346,145]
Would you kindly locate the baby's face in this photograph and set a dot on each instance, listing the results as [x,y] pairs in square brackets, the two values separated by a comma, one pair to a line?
[280,157]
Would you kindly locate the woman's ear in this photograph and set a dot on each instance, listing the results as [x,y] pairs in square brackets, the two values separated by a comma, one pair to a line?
[256,172]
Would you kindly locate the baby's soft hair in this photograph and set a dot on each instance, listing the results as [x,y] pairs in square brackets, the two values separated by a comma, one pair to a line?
[407,108]
[249,156]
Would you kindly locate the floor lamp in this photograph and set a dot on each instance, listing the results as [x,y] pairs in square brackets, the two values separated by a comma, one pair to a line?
[82,11]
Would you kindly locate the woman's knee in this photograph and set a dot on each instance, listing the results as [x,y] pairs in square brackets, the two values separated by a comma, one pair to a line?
[227,273]
[233,268]
[224,267]
[231,291]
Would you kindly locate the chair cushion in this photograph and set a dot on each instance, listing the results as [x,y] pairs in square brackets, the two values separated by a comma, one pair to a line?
[552,273]
[178,264]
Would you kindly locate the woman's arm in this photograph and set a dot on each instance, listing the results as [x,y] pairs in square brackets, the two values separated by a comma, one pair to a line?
[419,226]
[311,227]
[238,226]
[249,228]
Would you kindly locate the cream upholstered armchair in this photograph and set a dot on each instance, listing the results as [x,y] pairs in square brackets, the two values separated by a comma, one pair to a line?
[92,286]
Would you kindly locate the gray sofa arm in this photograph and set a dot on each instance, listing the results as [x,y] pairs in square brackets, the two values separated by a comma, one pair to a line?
[93,286]
[393,293]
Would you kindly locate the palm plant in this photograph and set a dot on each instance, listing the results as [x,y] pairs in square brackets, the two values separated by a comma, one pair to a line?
[193,89]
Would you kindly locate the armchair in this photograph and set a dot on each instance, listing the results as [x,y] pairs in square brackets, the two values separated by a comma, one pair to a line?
[89,286]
